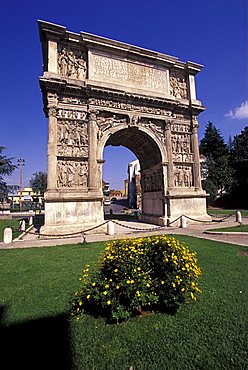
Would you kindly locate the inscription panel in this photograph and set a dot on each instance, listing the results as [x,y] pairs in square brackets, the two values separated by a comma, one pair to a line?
[128,73]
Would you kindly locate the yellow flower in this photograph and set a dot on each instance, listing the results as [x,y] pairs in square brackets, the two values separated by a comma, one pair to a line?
[117,286]
[162,282]
[80,303]
[107,286]
[88,296]
[116,270]
[148,285]
[109,302]
[93,284]
[105,292]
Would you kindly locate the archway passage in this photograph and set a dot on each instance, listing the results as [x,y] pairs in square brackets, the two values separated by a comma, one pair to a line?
[151,171]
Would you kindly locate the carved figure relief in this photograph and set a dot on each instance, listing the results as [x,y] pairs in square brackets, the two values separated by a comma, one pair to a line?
[178,127]
[72,174]
[178,85]
[106,122]
[183,176]
[72,64]
[151,180]
[72,139]
[181,143]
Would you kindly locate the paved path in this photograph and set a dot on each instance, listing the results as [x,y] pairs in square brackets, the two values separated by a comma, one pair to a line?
[196,230]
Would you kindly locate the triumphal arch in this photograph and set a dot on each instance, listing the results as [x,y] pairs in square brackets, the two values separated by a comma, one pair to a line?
[100,92]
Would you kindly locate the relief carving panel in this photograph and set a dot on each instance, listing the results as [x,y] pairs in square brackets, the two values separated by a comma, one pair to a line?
[178,85]
[72,63]
[183,176]
[151,180]
[72,174]
[72,139]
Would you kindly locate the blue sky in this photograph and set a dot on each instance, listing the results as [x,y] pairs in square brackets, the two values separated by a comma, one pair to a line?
[212,33]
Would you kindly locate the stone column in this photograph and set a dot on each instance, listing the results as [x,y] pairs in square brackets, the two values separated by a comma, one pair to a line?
[92,160]
[52,142]
[170,171]
[196,155]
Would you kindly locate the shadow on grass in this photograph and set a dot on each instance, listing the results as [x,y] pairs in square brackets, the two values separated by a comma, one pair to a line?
[35,344]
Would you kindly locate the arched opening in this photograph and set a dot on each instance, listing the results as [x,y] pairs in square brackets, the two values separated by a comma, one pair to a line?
[149,155]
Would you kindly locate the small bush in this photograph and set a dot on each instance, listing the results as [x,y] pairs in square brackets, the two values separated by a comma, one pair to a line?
[136,275]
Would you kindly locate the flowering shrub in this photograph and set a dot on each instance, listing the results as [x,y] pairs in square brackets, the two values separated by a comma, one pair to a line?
[135,275]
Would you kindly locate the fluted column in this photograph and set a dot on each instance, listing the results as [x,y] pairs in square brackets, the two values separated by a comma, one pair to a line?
[196,156]
[52,142]
[170,172]
[92,160]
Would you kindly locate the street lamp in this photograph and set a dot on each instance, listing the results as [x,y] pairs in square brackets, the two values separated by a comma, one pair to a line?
[21,163]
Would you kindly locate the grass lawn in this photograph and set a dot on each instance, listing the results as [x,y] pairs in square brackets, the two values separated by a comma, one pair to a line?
[226,212]
[237,229]
[37,283]
[14,223]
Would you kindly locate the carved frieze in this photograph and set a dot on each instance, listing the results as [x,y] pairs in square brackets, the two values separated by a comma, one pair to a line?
[72,114]
[183,176]
[72,63]
[72,139]
[72,174]
[130,107]
[178,85]
[73,100]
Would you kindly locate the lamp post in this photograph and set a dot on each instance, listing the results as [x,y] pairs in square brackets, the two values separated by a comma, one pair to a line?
[21,163]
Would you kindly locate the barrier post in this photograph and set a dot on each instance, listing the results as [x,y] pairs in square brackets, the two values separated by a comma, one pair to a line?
[183,222]
[30,221]
[22,225]
[7,235]
[239,217]
[111,228]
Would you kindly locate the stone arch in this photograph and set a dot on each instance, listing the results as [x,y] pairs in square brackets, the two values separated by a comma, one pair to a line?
[151,154]
[98,91]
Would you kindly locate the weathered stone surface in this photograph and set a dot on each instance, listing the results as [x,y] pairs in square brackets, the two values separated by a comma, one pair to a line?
[100,92]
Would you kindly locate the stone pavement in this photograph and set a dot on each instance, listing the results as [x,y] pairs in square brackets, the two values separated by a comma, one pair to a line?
[195,230]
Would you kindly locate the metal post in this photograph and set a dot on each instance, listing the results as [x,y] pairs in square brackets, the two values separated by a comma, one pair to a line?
[21,163]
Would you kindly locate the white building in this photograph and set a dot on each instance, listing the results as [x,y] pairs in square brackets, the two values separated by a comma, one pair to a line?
[134,193]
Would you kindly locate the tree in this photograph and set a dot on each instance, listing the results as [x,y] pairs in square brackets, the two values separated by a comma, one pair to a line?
[6,169]
[239,160]
[39,182]
[218,168]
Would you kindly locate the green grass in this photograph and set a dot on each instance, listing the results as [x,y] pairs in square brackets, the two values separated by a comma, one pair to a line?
[237,229]
[14,223]
[226,211]
[37,283]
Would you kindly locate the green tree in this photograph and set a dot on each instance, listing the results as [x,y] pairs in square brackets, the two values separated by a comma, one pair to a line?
[218,169]
[39,182]
[6,169]
[239,159]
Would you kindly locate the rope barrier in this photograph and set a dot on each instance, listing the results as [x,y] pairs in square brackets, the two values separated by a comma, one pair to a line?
[138,229]
[157,228]
[66,235]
